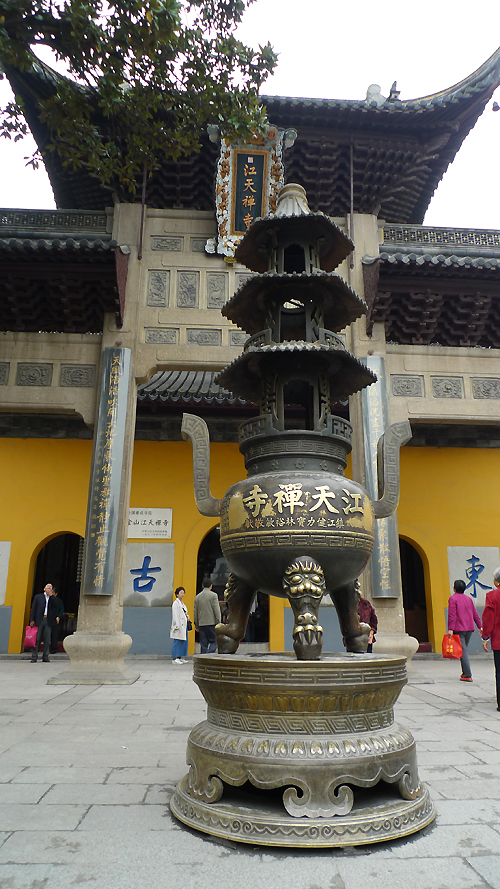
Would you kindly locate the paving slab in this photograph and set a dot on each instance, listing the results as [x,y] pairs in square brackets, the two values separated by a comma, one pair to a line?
[86,774]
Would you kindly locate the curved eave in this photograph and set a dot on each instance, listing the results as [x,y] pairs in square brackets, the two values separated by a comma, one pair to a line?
[37,248]
[249,306]
[486,78]
[244,375]
[186,387]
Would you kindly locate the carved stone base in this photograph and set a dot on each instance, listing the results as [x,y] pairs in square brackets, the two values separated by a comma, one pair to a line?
[96,659]
[302,752]
[395,644]
[242,822]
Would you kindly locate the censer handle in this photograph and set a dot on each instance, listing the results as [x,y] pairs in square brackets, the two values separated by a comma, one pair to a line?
[388,468]
[196,430]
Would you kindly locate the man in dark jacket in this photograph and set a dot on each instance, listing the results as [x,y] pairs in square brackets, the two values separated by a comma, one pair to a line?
[206,614]
[43,615]
[59,609]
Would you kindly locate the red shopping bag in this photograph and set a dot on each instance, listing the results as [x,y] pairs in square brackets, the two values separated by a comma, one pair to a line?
[30,637]
[452,647]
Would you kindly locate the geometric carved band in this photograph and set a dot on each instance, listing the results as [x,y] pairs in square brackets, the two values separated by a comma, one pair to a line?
[287,724]
[259,540]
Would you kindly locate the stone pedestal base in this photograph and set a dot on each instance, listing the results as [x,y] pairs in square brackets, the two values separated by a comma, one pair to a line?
[96,659]
[302,753]
[395,644]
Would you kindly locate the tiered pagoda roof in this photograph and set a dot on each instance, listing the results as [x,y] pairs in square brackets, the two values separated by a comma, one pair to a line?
[399,150]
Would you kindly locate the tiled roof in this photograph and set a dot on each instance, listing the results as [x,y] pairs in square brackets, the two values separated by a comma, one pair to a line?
[399,150]
[186,387]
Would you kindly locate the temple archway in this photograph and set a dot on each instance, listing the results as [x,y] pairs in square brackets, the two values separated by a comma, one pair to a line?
[60,562]
[414,601]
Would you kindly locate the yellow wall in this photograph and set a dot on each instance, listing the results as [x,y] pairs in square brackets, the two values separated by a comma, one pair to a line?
[448,498]
[44,485]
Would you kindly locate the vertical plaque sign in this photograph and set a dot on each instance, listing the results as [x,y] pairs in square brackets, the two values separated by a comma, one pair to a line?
[385,563]
[105,483]
[249,171]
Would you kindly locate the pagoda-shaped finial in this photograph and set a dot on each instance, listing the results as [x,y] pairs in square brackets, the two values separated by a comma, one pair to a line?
[292,201]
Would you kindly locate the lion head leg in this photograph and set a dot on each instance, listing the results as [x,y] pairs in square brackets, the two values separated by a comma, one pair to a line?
[304,585]
[346,600]
[238,596]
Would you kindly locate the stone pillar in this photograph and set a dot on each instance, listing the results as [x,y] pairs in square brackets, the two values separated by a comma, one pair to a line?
[98,647]
[381,581]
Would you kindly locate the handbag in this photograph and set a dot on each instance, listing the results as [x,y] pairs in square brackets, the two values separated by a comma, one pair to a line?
[30,637]
[452,647]
[189,625]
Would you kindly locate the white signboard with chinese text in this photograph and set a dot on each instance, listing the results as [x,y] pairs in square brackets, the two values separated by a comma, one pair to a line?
[149,522]
[149,575]
[4,568]
[475,565]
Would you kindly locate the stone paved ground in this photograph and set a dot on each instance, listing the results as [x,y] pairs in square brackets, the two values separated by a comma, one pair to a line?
[86,774]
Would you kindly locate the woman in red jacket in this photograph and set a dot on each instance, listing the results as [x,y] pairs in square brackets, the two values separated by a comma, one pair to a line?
[491,627]
[462,616]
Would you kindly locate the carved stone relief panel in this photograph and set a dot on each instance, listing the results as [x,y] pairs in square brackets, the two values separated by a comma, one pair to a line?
[447,387]
[158,288]
[4,372]
[78,375]
[34,374]
[409,387]
[204,337]
[485,387]
[198,245]
[237,337]
[242,278]
[174,245]
[162,335]
[187,290]
[216,290]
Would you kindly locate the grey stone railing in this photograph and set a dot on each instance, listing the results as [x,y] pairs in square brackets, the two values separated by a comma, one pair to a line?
[432,237]
[37,223]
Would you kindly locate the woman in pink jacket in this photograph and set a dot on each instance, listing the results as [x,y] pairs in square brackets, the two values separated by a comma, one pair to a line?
[462,616]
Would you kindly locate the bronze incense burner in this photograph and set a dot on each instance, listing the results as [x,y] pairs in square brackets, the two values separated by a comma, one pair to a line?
[295,527]
[298,751]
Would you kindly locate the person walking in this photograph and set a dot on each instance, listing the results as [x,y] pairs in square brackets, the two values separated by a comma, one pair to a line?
[462,616]
[366,614]
[178,630]
[206,615]
[491,628]
[59,610]
[43,616]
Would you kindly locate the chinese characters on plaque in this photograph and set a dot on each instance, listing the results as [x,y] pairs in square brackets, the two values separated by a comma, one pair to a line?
[149,522]
[107,461]
[475,565]
[385,563]
[248,189]
[290,505]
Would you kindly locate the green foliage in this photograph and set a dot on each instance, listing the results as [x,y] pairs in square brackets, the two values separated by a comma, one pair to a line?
[143,78]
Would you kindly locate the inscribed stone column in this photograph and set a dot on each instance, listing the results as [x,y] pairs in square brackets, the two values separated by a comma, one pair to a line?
[381,580]
[387,593]
[98,647]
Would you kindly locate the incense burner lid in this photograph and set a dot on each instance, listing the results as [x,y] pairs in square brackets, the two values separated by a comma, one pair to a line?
[338,304]
[345,373]
[255,248]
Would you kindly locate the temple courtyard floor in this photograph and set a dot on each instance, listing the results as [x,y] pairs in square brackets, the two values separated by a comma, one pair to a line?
[86,774]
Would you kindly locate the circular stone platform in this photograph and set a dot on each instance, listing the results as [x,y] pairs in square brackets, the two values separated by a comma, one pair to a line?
[302,753]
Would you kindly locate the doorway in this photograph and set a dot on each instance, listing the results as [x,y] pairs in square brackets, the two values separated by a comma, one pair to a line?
[211,562]
[60,562]
[414,604]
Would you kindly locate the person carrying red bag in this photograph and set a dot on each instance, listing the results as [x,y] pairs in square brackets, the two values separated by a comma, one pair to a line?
[462,616]
[491,627]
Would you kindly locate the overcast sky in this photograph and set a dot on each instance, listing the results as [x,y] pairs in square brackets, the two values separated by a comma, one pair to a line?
[331,51]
